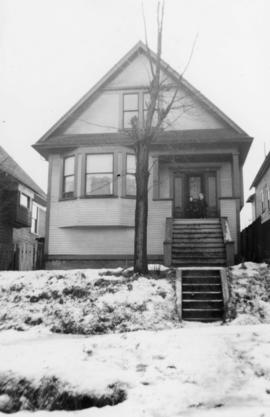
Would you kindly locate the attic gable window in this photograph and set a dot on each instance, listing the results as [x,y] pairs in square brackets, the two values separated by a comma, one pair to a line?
[146,104]
[130,108]
[99,174]
[69,177]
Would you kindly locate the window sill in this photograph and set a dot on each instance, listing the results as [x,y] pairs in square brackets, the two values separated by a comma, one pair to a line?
[68,199]
[163,199]
[129,197]
[98,196]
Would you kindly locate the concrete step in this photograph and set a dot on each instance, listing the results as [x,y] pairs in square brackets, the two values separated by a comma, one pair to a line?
[202,314]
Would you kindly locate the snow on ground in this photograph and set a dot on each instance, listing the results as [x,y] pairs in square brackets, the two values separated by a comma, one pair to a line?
[250,293]
[195,370]
[85,301]
[199,371]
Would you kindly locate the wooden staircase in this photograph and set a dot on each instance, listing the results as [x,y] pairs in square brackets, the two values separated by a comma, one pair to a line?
[202,295]
[197,242]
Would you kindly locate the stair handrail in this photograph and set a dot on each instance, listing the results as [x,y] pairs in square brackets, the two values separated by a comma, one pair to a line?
[167,244]
[228,241]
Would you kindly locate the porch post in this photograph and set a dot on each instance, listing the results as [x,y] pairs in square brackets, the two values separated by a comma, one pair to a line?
[236,176]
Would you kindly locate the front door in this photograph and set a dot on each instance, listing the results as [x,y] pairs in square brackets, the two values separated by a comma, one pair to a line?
[195,194]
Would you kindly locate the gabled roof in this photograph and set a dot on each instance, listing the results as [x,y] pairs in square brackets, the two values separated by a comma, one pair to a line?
[264,167]
[140,47]
[9,166]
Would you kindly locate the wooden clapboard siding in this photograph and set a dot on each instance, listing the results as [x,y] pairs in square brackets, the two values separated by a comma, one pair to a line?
[226,179]
[103,112]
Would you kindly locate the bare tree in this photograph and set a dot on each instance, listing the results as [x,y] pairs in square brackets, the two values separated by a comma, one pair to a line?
[163,98]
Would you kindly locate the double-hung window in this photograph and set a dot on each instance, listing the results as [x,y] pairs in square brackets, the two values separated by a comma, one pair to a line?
[130,175]
[99,174]
[130,109]
[69,177]
[146,104]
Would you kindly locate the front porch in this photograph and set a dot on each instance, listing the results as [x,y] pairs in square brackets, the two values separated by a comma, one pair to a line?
[198,242]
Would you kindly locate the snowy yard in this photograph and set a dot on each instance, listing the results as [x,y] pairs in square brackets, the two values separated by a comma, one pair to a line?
[126,354]
[195,371]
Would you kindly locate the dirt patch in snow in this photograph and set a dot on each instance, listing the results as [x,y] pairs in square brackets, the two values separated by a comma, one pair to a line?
[52,394]
[83,302]
[250,293]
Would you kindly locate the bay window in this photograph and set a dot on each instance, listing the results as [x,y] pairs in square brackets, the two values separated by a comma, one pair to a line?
[99,174]
[130,175]
[69,177]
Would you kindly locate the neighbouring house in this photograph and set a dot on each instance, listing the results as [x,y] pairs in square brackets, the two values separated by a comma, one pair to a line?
[22,217]
[91,192]
[256,237]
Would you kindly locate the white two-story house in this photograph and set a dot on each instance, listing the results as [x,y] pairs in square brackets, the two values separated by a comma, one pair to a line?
[91,191]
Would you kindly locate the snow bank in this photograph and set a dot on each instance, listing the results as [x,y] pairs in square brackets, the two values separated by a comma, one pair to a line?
[250,293]
[83,302]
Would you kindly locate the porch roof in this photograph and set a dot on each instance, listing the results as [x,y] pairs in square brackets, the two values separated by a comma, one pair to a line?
[178,138]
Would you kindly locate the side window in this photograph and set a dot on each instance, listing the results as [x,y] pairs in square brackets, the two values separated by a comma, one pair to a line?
[69,177]
[24,200]
[99,174]
[130,109]
[130,175]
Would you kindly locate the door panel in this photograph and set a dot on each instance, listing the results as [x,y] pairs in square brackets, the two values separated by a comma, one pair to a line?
[179,196]
[211,194]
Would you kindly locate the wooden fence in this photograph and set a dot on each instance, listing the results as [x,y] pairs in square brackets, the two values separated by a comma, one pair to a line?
[23,256]
[255,242]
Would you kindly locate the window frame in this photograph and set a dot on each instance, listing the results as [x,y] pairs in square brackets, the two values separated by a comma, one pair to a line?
[129,173]
[124,111]
[112,194]
[68,197]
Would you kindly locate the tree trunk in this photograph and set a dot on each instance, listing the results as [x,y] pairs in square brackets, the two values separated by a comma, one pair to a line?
[141,212]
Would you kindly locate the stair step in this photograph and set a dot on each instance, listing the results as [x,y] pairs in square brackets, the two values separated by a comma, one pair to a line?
[198,242]
[202,314]
[193,245]
[200,272]
[198,295]
[201,288]
[202,304]
[202,280]
[180,252]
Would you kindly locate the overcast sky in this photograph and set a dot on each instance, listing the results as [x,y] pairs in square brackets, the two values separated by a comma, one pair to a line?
[53,51]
